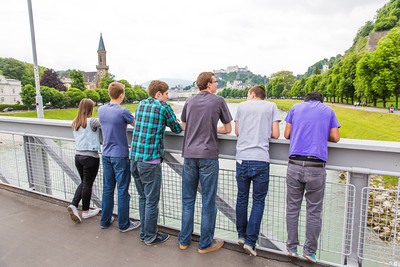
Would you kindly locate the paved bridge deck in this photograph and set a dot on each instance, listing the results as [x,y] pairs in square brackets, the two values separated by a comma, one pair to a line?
[37,231]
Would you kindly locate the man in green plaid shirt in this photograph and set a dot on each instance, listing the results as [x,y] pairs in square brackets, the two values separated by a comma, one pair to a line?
[147,152]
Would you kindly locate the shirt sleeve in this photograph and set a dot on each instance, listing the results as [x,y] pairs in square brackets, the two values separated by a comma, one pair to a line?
[183,114]
[275,113]
[334,121]
[289,116]
[128,116]
[171,120]
[94,124]
[225,115]
[237,116]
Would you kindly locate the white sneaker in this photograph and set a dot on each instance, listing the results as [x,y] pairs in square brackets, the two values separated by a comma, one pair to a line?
[73,212]
[241,241]
[90,213]
[250,250]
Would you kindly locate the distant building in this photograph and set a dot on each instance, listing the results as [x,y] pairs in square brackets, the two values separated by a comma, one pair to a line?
[325,67]
[92,78]
[230,69]
[237,84]
[9,91]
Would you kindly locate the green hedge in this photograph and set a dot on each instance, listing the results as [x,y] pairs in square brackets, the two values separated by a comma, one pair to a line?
[15,107]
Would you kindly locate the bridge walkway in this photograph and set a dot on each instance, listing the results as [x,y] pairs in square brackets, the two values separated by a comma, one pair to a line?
[36,230]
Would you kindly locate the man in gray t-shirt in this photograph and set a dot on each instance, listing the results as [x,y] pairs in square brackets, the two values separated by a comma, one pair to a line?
[200,117]
[255,123]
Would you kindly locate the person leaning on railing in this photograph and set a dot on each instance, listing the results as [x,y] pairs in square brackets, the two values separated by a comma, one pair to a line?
[256,122]
[309,126]
[147,152]
[87,144]
[200,117]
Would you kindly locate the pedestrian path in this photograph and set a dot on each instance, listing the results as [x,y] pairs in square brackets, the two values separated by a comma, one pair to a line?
[35,232]
[380,110]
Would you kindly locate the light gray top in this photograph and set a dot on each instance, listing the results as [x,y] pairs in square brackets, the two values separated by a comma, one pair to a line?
[255,119]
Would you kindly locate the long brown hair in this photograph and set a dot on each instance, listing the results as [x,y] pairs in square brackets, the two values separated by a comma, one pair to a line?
[85,111]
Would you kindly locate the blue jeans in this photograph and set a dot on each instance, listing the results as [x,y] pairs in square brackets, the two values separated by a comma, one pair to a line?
[115,171]
[205,171]
[148,184]
[258,172]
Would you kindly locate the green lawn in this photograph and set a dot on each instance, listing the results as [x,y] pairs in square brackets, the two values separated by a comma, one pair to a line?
[356,124]
[61,114]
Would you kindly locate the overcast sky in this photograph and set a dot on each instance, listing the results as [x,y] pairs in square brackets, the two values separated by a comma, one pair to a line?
[156,39]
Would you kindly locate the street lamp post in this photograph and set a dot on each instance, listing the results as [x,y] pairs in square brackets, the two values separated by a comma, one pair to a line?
[39,100]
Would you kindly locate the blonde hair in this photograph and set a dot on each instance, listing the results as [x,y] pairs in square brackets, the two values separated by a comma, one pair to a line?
[85,111]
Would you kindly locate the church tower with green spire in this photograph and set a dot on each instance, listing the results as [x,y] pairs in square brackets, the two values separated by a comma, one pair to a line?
[102,67]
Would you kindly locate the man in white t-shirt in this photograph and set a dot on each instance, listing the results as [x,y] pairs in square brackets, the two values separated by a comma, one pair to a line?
[255,123]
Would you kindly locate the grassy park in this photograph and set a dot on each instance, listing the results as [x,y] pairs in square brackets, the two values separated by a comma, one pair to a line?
[356,124]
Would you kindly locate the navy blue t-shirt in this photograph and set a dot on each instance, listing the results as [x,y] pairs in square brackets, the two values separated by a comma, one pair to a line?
[114,120]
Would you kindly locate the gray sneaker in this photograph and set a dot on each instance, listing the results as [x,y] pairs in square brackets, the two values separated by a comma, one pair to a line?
[250,250]
[132,226]
[73,212]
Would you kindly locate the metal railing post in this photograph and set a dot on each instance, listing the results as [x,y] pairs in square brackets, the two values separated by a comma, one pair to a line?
[359,180]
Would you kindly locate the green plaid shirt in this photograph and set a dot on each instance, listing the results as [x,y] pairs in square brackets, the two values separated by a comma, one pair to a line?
[152,116]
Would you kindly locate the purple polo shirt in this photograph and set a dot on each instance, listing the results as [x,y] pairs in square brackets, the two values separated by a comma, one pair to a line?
[311,123]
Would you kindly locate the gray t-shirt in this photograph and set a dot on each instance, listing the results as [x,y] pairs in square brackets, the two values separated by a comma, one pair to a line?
[201,114]
[255,119]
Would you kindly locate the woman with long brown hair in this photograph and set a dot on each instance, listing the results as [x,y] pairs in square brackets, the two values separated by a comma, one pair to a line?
[87,144]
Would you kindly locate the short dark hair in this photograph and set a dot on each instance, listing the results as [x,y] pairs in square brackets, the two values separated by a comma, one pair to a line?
[317,96]
[157,86]
[204,79]
[259,91]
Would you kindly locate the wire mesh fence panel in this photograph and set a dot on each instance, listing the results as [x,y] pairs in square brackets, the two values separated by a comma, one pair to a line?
[379,239]
[12,161]
[53,171]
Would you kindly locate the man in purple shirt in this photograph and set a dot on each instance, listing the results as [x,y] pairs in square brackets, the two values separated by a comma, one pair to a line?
[309,126]
[200,117]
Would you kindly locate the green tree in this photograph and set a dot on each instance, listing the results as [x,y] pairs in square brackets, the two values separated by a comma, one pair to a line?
[106,80]
[140,92]
[104,96]
[76,95]
[126,83]
[364,76]
[77,77]
[387,68]
[277,86]
[288,78]
[130,95]
[28,95]
[46,94]
[56,97]
[92,94]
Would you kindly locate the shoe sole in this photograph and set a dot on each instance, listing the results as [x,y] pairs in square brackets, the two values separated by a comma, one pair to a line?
[251,253]
[73,216]
[211,249]
[309,258]
[240,243]
[293,255]
[182,247]
[159,242]
[93,215]
[130,229]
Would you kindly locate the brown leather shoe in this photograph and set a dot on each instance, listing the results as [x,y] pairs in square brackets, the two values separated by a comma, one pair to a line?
[215,245]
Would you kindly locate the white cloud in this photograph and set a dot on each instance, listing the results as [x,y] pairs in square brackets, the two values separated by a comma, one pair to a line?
[179,39]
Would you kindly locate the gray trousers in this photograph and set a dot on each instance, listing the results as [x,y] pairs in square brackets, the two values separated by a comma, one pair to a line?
[312,180]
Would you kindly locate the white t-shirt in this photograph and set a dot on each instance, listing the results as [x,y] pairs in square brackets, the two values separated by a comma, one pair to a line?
[255,119]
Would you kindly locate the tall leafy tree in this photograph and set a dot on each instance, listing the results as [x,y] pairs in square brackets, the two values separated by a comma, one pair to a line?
[106,80]
[78,81]
[92,94]
[387,58]
[364,76]
[50,79]
[104,96]
[288,78]
[28,95]
[76,95]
